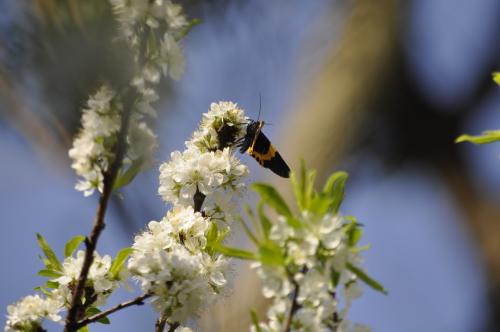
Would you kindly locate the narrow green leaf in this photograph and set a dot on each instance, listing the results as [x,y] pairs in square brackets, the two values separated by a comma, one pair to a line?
[72,244]
[192,23]
[52,261]
[320,204]
[91,311]
[366,278]
[272,197]
[334,187]
[118,262]
[496,77]
[43,290]
[488,136]
[298,190]
[248,232]
[255,320]
[235,252]
[84,329]
[309,193]
[265,223]
[270,254]
[49,273]
[252,217]
[52,284]
[126,177]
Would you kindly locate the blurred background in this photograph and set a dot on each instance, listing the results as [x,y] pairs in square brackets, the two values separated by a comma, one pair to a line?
[377,88]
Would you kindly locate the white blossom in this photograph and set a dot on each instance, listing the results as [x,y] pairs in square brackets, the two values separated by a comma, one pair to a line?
[169,261]
[92,153]
[220,127]
[142,144]
[99,277]
[313,248]
[207,172]
[29,312]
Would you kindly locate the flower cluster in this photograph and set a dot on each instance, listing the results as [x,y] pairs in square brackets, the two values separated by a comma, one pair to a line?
[93,148]
[221,127]
[100,281]
[153,29]
[29,312]
[103,277]
[309,262]
[173,259]
[204,167]
[317,253]
[91,151]
[169,260]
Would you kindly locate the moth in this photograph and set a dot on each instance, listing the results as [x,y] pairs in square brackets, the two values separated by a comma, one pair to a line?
[256,144]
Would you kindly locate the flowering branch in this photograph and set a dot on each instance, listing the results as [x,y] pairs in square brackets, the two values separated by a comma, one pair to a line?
[137,301]
[109,177]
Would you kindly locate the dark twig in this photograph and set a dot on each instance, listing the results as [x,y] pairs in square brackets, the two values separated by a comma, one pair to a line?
[160,323]
[198,199]
[137,301]
[75,309]
[295,305]
[173,326]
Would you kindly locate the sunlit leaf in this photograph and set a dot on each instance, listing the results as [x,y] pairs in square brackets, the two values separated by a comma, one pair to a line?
[366,278]
[272,197]
[496,77]
[52,262]
[235,252]
[255,320]
[486,137]
[91,311]
[118,262]
[72,244]
[126,177]
[50,273]
[334,187]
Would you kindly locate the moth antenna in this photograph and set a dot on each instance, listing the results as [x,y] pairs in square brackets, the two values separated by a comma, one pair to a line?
[260,106]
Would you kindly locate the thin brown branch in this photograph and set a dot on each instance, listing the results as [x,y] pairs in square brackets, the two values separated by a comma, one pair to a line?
[137,301]
[160,323]
[75,309]
[295,307]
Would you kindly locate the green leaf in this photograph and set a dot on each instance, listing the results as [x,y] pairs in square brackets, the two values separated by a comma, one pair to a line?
[235,252]
[50,273]
[126,177]
[488,136]
[303,186]
[272,197]
[298,189]
[43,290]
[91,311]
[72,244]
[252,217]
[353,231]
[255,320]
[320,204]
[118,262]
[52,284]
[52,262]
[84,329]
[248,232]
[496,77]
[265,223]
[270,254]
[334,187]
[366,278]
[188,28]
